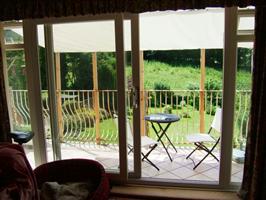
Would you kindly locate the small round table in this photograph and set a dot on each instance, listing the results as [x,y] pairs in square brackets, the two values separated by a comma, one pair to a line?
[162,118]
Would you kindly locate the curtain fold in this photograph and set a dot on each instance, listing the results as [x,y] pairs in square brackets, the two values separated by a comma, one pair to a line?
[254,179]
[17,9]
[4,118]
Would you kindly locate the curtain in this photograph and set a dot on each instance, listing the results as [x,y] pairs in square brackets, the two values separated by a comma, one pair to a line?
[4,118]
[254,180]
[17,9]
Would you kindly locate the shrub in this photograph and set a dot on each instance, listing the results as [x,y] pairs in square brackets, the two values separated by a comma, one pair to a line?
[193,97]
[212,98]
[210,109]
[186,115]
[167,109]
[242,123]
[165,96]
[212,84]
[161,86]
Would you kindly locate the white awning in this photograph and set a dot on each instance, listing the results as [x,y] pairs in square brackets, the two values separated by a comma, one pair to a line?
[169,30]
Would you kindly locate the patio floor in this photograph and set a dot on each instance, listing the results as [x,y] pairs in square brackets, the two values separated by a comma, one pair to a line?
[180,168]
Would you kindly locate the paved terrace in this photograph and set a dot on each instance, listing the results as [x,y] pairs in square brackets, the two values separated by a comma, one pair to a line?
[180,168]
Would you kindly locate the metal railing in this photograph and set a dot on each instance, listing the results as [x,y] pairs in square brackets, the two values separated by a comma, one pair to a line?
[78,117]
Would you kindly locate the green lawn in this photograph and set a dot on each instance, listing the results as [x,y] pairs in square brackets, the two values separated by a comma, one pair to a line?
[181,77]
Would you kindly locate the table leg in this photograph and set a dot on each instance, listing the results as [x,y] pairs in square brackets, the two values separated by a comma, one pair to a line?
[160,136]
[165,134]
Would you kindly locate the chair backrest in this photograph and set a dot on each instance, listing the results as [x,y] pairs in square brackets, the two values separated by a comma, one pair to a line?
[129,130]
[129,133]
[217,120]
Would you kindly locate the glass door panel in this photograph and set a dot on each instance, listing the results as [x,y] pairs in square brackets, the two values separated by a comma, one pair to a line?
[242,108]
[86,93]
[183,76]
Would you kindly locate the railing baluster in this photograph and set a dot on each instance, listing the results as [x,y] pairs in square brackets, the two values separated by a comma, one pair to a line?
[172,100]
[237,115]
[165,98]
[114,108]
[182,112]
[110,115]
[108,103]
[160,101]
[187,113]
[23,108]
[47,113]
[86,110]
[15,109]
[81,113]
[193,112]
[25,103]
[177,113]
[217,101]
[23,117]
[71,114]
[78,112]
[243,119]
[87,117]
[103,132]
[149,101]
[64,117]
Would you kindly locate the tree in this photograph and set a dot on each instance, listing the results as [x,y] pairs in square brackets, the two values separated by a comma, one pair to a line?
[16,69]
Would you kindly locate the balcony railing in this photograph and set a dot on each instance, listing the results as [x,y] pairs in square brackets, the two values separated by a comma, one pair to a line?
[78,118]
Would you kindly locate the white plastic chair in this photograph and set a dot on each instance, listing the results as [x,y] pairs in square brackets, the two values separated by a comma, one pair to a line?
[146,142]
[199,139]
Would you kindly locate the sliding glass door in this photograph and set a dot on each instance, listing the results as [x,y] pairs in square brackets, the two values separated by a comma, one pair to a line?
[80,92]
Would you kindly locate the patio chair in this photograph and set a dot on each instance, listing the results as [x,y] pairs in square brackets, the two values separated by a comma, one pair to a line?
[146,142]
[200,139]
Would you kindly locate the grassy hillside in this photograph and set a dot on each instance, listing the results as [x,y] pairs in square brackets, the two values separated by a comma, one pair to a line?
[180,77]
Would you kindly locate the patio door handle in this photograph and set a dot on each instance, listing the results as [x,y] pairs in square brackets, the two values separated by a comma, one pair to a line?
[135,93]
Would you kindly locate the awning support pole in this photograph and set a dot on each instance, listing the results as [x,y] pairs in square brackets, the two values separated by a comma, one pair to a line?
[96,105]
[202,82]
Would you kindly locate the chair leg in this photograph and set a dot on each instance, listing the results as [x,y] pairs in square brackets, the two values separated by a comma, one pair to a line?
[148,153]
[192,152]
[209,152]
[130,149]
[200,162]
[145,157]
[149,161]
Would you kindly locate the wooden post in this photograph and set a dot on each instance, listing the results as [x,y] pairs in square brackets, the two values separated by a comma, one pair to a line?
[96,97]
[202,81]
[58,95]
[142,96]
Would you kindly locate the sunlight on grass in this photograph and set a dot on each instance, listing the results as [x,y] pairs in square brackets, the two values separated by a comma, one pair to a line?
[180,77]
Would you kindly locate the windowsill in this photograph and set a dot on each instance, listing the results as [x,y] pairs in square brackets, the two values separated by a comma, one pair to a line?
[171,193]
